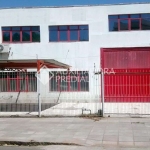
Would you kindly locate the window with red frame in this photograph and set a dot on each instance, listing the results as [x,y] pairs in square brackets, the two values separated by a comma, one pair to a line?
[129,22]
[73,81]
[21,34]
[68,33]
[18,81]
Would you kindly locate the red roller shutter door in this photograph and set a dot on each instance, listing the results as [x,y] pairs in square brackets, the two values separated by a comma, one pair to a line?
[131,81]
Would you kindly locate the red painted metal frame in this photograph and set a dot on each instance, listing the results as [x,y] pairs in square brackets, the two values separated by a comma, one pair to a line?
[68,33]
[39,63]
[127,84]
[27,65]
[21,31]
[129,21]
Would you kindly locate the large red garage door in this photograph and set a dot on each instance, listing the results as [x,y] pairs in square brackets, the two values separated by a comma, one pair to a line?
[131,81]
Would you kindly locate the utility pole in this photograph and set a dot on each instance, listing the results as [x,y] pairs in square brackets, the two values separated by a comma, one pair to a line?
[38,86]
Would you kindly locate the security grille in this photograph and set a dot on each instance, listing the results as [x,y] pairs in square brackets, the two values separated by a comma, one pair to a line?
[69,81]
[18,81]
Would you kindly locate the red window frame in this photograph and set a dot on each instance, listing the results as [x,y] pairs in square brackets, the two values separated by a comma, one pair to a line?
[17,83]
[140,21]
[68,88]
[118,19]
[21,34]
[119,22]
[30,35]
[68,33]
[78,30]
[59,30]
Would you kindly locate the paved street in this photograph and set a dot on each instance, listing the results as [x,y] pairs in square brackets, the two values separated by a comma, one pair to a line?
[69,148]
[117,133]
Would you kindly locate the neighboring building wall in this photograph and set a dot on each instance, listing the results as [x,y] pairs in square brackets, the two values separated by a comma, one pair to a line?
[80,55]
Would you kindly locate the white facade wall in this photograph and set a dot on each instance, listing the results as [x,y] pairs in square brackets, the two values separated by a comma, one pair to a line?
[81,55]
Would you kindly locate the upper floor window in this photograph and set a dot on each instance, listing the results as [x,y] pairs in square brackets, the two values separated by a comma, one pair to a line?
[68,33]
[129,22]
[21,34]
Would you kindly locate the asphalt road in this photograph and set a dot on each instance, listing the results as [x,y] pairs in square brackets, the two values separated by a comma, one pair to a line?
[18,148]
[71,148]
[58,147]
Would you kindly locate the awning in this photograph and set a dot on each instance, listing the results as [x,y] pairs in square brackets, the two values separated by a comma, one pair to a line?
[31,63]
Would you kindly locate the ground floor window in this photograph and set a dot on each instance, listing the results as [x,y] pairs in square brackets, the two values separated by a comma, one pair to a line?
[73,81]
[18,81]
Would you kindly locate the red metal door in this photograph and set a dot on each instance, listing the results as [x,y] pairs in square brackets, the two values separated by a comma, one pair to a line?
[131,81]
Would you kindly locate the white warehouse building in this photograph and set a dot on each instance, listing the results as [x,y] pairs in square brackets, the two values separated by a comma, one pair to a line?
[87,38]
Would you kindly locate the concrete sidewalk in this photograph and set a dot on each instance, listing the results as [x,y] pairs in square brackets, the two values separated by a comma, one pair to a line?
[111,132]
